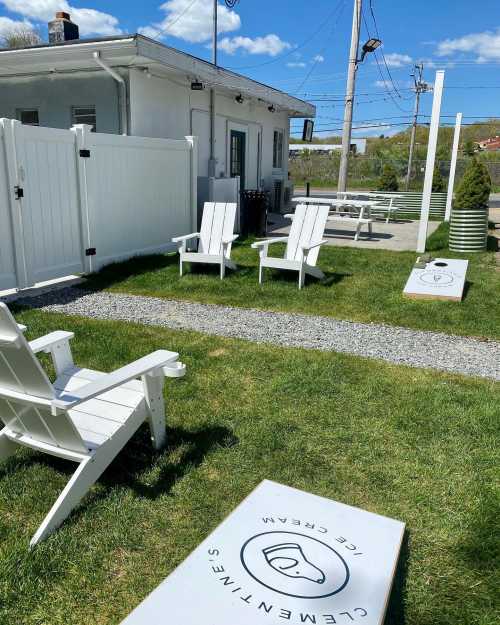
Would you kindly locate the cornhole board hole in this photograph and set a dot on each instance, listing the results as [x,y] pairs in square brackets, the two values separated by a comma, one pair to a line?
[441,279]
[283,556]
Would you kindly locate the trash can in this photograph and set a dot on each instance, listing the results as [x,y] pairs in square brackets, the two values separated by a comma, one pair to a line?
[253,220]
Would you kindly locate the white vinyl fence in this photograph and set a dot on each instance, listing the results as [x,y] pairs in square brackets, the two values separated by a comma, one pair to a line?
[72,200]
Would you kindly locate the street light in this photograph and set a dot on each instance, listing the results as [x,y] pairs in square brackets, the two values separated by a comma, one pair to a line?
[370,46]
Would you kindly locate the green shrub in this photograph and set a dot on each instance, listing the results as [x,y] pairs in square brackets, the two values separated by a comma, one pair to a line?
[474,189]
[438,183]
[388,180]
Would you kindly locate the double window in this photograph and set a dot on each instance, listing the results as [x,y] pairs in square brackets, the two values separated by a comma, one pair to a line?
[29,117]
[84,115]
[278,149]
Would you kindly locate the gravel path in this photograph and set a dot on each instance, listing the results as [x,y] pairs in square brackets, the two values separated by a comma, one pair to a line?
[394,344]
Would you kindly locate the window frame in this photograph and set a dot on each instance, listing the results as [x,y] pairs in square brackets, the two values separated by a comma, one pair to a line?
[76,107]
[278,155]
[20,111]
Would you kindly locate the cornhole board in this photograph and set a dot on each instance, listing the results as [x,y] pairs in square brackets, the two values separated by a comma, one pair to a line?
[283,556]
[442,279]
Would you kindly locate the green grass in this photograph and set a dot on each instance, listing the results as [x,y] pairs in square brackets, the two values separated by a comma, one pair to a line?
[360,285]
[410,444]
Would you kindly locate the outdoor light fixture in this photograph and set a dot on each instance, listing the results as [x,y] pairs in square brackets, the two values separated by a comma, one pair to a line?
[370,46]
[196,85]
[239,99]
[271,108]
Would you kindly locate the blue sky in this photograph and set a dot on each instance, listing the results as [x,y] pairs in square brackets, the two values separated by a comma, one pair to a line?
[301,47]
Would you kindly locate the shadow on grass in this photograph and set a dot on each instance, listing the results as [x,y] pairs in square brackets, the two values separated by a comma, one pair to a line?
[137,457]
[492,244]
[396,607]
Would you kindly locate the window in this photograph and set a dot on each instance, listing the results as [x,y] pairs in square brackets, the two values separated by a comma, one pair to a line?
[28,117]
[278,149]
[84,115]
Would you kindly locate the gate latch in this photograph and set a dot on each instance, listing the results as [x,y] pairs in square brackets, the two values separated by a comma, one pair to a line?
[18,192]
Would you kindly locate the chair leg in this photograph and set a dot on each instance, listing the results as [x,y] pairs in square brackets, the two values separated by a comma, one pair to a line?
[222,269]
[153,392]
[7,447]
[87,473]
[358,230]
[302,276]
[261,274]
[180,267]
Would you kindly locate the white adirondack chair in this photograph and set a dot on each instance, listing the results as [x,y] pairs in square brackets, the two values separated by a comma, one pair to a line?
[215,238]
[86,416]
[302,244]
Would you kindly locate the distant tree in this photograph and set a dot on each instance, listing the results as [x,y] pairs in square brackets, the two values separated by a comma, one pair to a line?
[21,36]
[438,184]
[474,189]
[469,148]
[389,179]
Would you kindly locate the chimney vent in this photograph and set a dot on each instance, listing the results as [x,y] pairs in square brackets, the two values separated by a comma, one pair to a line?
[62,29]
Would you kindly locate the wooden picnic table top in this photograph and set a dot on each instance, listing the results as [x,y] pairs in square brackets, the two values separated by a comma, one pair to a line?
[335,202]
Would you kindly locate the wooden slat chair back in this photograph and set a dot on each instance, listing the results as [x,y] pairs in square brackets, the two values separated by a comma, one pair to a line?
[214,239]
[21,372]
[217,225]
[308,226]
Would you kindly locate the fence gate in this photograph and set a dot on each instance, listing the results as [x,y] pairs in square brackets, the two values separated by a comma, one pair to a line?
[42,188]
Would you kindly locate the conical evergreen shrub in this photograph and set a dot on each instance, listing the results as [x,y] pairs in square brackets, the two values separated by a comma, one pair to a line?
[389,179]
[438,184]
[474,190]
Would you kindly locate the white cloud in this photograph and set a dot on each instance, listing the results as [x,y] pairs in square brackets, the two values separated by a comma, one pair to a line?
[191,21]
[398,60]
[319,58]
[271,45]
[383,84]
[90,21]
[294,64]
[485,45]
[8,25]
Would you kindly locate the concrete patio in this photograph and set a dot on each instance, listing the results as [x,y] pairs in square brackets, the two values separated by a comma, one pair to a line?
[397,236]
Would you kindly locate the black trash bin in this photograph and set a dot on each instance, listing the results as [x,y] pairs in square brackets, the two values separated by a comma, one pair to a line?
[253,220]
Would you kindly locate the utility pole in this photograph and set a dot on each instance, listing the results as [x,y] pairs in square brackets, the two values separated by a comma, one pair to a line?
[212,161]
[349,97]
[420,87]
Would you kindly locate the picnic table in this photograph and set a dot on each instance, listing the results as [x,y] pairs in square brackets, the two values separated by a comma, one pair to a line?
[389,208]
[361,218]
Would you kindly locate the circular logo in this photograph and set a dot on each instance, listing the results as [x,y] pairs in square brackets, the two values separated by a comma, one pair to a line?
[436,278]
[294,564]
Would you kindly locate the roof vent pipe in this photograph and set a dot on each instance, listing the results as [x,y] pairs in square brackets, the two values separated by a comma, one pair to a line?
[122,96]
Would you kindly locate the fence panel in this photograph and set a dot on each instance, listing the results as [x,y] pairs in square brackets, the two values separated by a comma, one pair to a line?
[8,277]
[140,194]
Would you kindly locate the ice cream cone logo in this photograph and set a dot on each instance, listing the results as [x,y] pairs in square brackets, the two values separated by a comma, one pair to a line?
[289,559]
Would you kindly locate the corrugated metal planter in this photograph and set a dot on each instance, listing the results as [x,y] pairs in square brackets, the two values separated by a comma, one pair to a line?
[468,230]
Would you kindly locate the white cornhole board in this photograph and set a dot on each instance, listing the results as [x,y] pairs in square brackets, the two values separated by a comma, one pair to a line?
[443,278]
[283,556]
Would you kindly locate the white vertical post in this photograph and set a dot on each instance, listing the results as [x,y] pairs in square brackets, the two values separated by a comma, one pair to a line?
[431,158]
[193,143]
[453,167]
[82,142]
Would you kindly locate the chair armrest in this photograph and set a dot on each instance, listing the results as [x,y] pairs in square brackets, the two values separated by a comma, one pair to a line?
[229,240]
[258,244]
[289,215]
[49,341]
[186,237]
[313,245]
[161,362]
[22,328]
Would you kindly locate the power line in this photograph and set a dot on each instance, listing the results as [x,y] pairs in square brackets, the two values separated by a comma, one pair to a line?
[164,31]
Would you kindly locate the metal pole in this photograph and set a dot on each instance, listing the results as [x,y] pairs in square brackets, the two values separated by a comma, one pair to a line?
[418,91]
[453,167]
[431,158]
[349,97]
[212,161]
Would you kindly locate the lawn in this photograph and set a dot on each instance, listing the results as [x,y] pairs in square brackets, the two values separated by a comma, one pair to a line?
[410,444]
[360,285]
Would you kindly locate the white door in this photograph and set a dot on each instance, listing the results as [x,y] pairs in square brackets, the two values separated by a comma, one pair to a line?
[48,211]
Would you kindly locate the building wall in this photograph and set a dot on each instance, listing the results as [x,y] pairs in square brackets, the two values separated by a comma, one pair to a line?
[54,97]
[161,107]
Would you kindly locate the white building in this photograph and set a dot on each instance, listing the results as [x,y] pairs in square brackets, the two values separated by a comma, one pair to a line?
[134,85]
[358,146]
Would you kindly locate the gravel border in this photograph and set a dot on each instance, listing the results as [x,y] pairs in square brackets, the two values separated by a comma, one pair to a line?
[397,345]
